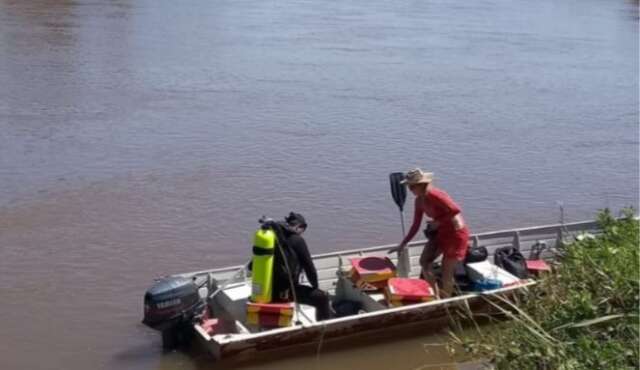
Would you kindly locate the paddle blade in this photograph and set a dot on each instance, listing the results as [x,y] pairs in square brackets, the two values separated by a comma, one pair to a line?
[398,190]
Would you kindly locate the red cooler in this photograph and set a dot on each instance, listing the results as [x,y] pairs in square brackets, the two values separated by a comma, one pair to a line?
[404,291]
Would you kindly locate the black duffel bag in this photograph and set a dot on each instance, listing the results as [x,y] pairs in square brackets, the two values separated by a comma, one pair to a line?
[510,259]
[477,254]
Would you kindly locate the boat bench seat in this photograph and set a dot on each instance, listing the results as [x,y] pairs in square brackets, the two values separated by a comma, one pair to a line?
[234,301]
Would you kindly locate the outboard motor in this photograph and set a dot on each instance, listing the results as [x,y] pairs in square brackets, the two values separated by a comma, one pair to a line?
[171,305]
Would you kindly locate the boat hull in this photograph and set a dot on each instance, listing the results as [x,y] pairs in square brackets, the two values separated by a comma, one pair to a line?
[409,320]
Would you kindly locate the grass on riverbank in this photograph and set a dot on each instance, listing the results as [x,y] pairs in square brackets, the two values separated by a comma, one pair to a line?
[584,315]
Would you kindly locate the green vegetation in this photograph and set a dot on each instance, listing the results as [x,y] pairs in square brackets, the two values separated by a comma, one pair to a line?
[584,315]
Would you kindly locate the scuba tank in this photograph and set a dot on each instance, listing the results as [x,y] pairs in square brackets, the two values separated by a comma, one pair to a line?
[264,242]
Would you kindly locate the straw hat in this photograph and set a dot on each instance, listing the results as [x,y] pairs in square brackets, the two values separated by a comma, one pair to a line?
[417,176]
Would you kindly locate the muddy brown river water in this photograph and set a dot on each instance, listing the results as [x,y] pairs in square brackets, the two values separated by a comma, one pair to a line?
[143,138]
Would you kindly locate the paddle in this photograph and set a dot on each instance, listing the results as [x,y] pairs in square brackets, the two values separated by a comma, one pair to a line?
[399,193]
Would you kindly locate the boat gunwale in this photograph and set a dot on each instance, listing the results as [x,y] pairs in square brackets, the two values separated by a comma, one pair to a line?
[551,228]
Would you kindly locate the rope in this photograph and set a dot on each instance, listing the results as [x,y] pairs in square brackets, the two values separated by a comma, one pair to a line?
[324,329]
[290,278]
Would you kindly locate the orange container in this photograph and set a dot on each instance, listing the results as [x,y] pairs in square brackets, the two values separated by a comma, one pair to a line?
[402,291]
[372,272]
[537,265]
[269,314]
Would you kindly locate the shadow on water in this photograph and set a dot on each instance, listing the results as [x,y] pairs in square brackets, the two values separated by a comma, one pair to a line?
[412,347]
[409,349]
[138,354]
[151,355]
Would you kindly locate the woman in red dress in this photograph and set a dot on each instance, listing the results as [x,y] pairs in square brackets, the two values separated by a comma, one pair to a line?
[451,233]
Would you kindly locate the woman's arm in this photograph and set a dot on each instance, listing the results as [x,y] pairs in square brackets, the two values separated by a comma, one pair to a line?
[417,219]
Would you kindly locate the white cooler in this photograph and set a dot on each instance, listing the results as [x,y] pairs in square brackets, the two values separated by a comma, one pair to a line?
[479,271]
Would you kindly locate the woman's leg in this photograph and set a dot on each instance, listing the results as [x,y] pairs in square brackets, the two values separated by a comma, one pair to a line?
[429,254]
[454,251]
[448,271]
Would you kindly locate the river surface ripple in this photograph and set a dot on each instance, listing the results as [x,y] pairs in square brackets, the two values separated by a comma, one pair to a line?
[142,138]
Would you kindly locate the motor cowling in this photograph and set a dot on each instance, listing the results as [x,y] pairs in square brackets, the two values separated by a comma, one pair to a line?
[171,302]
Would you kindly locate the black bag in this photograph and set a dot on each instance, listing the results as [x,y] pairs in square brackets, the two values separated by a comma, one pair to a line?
[346,308]
[510,259]
[477,254]
[430,232]
[460,276]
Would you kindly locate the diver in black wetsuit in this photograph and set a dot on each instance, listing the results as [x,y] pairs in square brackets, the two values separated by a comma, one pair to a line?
[298,259]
